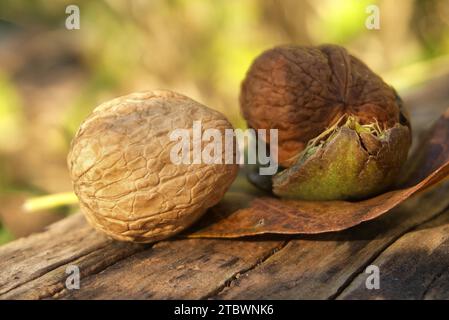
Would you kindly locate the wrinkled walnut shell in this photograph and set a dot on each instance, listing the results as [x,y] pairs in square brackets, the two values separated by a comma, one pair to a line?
[303,90]
[122,173]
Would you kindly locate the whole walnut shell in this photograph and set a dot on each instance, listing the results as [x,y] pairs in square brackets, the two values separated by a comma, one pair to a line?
[303,90]
[122,173]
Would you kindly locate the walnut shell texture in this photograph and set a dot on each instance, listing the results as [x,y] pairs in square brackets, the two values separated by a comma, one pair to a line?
[121,170]
[303,90]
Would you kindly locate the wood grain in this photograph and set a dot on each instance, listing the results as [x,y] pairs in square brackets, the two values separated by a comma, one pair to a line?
[319,267]
[34,267]
[414,267]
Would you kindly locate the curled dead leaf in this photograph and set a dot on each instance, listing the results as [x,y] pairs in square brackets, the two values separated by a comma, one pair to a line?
[279,216]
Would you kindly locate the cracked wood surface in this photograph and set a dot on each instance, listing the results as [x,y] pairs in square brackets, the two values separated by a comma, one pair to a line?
[410,245]
[416,266]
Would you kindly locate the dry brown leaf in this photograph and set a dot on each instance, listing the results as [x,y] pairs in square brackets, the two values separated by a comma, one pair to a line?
[278,216]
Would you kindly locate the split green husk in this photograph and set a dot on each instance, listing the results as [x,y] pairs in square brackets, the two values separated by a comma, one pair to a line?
[348,161]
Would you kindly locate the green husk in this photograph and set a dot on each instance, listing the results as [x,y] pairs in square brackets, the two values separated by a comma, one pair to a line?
[347,161]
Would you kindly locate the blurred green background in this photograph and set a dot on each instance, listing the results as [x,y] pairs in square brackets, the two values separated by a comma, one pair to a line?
[51,77]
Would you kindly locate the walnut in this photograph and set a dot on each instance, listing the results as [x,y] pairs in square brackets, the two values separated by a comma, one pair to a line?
[303,90]
[122,173]
[343,132]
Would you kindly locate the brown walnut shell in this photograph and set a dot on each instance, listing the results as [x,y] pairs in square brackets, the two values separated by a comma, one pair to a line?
[303,90]
[122,173]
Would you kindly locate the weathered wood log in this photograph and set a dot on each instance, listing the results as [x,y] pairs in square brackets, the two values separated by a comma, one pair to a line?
[319,266]
[414,267]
